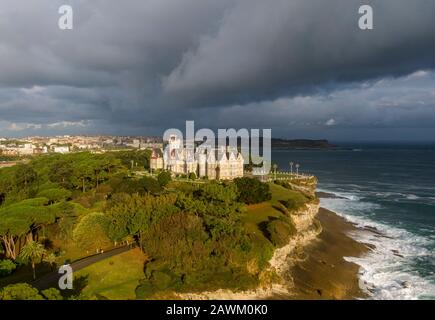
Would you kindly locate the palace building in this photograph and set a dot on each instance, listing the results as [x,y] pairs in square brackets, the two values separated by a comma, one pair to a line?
[215,164]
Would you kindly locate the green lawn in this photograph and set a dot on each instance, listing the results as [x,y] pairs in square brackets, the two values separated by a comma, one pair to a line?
[261,212]
[115,278]
[281,193]
[259,215]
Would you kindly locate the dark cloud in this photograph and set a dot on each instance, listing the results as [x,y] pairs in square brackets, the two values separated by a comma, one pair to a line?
[300,67]
[265,49]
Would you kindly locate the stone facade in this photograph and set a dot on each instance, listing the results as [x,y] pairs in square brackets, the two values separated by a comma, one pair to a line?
[215,164]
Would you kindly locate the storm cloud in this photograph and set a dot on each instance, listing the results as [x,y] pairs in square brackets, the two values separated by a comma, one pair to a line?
[302,68]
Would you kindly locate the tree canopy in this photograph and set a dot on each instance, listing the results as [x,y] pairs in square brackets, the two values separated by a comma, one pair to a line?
[91,233]
[20,291]
[252,191]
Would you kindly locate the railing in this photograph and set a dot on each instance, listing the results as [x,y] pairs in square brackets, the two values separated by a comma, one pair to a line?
[283,176]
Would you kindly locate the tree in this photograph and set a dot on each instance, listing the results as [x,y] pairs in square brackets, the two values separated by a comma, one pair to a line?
[7,267]
[164,178]
[24,175]
[192,176]
[217,192]
[151,185]
[141,186]
[20,221]
[51,260]
[7,182]
[84,173]
[55,194]
[20,291]
[52,294]
[91,233]
[98,170]
[252,190]
[139,157]
[61,172]
[33,252]
[130,215]
[11,229]
[133,215]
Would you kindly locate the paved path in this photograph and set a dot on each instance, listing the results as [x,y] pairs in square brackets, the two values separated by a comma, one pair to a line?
[52,279]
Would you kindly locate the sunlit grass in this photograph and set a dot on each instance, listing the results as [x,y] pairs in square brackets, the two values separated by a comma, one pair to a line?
[115,278]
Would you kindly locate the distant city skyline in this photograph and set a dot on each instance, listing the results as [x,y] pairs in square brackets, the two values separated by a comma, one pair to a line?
[302,68]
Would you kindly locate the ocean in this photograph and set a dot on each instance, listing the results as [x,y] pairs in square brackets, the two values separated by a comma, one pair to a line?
[389,187]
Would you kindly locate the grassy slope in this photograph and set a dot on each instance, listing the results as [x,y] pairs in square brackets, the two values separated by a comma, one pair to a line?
[258,213]
[116,277]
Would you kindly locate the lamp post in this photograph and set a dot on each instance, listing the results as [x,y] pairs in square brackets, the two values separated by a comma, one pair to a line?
[264,170]
[297,169]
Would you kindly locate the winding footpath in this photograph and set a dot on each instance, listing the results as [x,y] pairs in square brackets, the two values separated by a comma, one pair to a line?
[52,279]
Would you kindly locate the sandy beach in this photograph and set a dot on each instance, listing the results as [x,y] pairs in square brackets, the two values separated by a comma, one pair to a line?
[324,273]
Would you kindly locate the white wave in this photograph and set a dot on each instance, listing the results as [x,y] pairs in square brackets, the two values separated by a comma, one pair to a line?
[412,197]
[359,194]
[388,271]
[342,194]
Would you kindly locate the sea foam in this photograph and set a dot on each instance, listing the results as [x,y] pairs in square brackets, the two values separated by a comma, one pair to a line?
[390,270]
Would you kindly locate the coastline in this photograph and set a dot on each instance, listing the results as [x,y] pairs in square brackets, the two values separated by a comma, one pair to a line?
[312,265]
[325,273]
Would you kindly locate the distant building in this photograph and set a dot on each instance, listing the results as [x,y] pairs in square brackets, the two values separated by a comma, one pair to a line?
[10,152]
[156,160]
[25,150]
[7,164]
[61,149]
[215,164]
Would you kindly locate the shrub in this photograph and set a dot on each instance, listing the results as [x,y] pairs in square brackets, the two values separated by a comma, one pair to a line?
[217,193]
[148,184]
[20,291]
[144,290]
[294,203]
[6,267]
[141,186]
[52,294]
[164,178]
[192,176]
[290,204]
[280,232]
[161,280]
[252,191]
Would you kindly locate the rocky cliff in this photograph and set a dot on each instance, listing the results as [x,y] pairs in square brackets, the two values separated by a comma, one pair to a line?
[308,228]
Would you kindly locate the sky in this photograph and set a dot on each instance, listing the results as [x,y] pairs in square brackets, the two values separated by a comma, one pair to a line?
[302,68]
